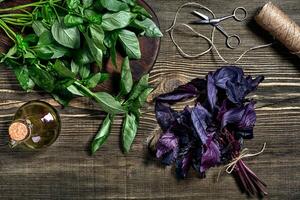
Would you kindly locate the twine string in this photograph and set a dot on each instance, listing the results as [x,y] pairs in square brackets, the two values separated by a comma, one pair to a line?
[244,154]
[209,40]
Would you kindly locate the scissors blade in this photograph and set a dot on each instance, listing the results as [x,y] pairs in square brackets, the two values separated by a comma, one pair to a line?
[202,16]
[200,22]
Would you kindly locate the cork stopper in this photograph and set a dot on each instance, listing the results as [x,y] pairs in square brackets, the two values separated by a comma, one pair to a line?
[18,131]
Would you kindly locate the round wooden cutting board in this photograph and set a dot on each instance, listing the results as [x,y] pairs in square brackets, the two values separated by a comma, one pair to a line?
[149,50]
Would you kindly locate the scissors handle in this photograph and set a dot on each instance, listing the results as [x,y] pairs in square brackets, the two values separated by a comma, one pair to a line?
[237,11]
[233,41]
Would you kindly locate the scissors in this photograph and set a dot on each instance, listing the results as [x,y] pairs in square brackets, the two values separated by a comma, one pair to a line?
[215,22]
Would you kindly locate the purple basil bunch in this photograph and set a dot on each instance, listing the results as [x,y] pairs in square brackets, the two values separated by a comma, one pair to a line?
[212,131]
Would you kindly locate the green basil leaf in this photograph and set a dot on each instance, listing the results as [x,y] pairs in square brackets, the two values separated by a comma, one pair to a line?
[68,37]
[139,88]
[82,28]
[141,100]
[95,51]
[97,35]
[73,4]
[84,71]
[61,94]
[93,81]
[63,84]
[48,14]
[22,75]
[29,55]
[111,41]
[45,38]
[38,28]
[129,131]
[31,38]
[87,3]
[50,51]
[10,63]
[130,43]
[126,78]
[130,2]
[72,20]
[114,5]
[113,54]
[44,52]
[102,134]
[74,67]
[41,78]
[83,56]
[73,89]
[135,105]
[108,103]
[96,79]
[140,10]
[60,99]
[148,26]
[93,16]
[21,44]
[12,51]
[62,70]
[113,21]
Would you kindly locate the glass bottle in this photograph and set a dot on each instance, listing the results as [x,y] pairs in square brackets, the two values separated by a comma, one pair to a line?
[36,125]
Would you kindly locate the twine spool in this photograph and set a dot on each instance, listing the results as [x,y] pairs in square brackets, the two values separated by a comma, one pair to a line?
[283,28]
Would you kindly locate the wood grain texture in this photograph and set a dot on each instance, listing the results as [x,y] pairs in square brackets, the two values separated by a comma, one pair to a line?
[66,171]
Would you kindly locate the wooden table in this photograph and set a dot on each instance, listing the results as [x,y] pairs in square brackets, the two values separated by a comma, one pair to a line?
[66,171]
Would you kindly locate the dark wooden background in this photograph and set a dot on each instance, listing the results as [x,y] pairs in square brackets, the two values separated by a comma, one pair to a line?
[66,171]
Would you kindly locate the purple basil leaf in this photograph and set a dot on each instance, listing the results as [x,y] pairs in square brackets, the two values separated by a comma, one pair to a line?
[211,91]
[254,82]
[200,118]
[232,80]
[200,84]
[183,121]
[211,156]
[243,118]
[249,117]
[184,128]
[184,117]
[197,159]
[167,147]
[165,115]
[245,134]
[228,73]
[183,165]
[181,93]
[223,109]
[168,158]
[236,92]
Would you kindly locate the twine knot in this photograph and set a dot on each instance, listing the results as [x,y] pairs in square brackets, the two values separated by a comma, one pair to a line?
[244,154]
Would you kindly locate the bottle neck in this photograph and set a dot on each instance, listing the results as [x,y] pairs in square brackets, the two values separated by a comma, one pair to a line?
[19,131]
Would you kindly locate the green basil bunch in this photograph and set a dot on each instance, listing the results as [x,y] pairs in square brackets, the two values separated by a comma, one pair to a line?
[59,42]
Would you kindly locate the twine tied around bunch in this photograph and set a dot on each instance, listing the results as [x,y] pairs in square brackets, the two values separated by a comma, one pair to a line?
[209,40]
[244,154]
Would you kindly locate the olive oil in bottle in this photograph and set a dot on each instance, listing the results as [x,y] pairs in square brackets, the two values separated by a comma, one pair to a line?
[36,125]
